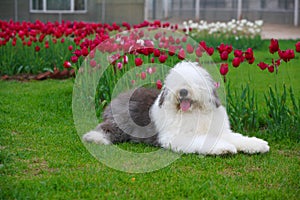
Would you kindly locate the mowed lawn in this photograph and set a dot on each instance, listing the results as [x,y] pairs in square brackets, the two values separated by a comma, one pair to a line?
[42,157]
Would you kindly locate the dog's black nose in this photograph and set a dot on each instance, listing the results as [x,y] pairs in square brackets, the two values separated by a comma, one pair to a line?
[183,92]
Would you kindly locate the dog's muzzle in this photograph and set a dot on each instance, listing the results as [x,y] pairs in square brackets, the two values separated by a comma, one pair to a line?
[184,102]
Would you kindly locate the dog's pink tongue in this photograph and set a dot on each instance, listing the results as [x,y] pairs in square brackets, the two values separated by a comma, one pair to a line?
[185,105]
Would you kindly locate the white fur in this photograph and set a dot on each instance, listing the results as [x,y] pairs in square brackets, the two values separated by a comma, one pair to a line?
[97,137]
[203,129]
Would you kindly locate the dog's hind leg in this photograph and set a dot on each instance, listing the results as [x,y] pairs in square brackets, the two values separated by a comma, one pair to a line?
[98,136]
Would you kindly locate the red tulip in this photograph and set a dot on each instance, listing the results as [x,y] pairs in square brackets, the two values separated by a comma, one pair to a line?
[199,51]
[171,40]
[277,62]
[157,35]
[224,55]
[85,51]
[126,25]
[249,54]
[77,52]
[138,61]
[251,61]
[224,47]
[297,47]
[41,38]
[143,75]
[37,48]
[236,62]
[125,59]
[172,50]
[203,44]
[74,59]
[156,52]
[286,55]
[21,33]
[274,46]
[119,65]
[224,69]
[29,43]
[162,58]
[46,44]
[271,69]
[263,65]
[14,42]
[93,63]
[221,48]
[189,48]
[70,48]
[210,51]
[92,54]
[238,53]
[158,84]
[181,54]
[67,64]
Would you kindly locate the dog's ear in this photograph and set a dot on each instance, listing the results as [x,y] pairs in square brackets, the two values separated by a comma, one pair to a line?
[216,98]
[162,97]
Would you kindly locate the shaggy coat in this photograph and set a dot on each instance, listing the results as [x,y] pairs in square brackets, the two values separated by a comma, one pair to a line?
[185,116]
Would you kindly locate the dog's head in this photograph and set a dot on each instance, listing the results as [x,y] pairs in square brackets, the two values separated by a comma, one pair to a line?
[187,87]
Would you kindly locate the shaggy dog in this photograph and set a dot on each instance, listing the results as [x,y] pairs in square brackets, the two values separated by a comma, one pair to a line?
[185,116]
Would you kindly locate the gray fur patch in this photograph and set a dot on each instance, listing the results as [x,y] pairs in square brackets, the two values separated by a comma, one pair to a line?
[127,117]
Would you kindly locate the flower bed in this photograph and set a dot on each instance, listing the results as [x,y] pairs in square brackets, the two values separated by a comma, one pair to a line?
[56,48]
[239,33]
[36,47]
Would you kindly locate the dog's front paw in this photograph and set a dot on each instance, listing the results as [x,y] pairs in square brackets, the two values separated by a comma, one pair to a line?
[96,137]
[222,149]
[254,145]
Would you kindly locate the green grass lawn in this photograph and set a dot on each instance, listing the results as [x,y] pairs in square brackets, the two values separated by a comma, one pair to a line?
[42,157]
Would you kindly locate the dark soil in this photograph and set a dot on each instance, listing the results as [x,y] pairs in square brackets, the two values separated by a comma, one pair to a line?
[56,74]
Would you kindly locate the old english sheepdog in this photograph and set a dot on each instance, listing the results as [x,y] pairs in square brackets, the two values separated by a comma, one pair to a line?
[185,116]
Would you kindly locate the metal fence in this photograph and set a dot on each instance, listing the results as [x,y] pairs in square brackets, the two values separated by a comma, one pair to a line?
[271,11]
[134,11]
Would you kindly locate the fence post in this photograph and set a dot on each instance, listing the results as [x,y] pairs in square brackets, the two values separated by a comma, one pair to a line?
[239,10]
[296,12]
[165,6]
[16,10]
[146,4]
[197,14]
[103,11]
